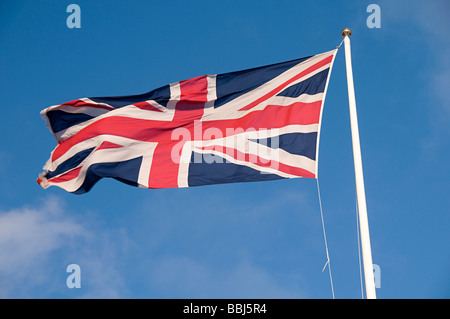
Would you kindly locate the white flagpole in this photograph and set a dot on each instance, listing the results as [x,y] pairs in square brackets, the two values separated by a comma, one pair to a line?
[359,179]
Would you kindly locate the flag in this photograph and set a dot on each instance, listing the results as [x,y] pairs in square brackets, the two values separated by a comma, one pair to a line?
[253,125]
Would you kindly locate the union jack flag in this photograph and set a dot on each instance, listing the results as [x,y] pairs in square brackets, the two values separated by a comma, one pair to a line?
[252,125]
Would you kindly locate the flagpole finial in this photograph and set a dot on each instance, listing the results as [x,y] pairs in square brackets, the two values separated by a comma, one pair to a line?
[346,32]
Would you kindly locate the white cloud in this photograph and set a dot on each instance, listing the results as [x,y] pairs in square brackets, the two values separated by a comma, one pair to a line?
[29,235]
[36,245]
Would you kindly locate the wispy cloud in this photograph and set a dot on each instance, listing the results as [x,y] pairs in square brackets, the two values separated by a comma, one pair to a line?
[28,236]
[36,245]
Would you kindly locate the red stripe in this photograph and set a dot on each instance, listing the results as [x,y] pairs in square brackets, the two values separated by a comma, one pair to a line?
[66,176]
[194,90]
[312,68]
[192,101]
[81,103]
[164,171]
[116,125]
[273,116]
[147,106]
[260,161]
[106,145]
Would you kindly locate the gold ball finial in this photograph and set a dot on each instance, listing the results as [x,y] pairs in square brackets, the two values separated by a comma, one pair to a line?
[346,32]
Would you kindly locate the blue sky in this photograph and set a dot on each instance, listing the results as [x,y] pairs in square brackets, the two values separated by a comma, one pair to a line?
[249,240]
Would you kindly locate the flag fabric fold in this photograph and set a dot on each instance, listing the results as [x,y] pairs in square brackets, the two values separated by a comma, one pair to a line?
[252,125]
